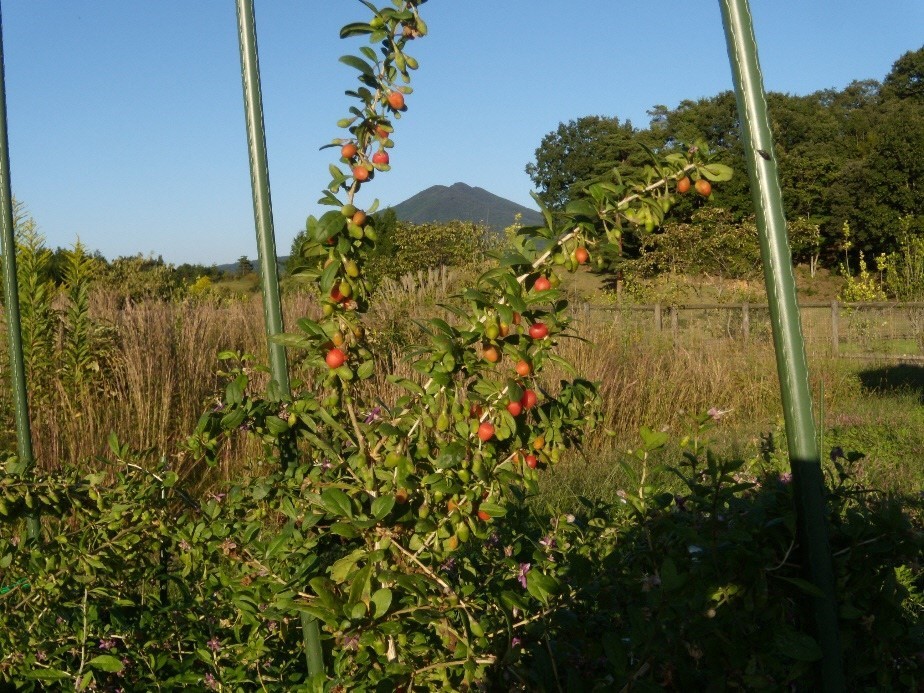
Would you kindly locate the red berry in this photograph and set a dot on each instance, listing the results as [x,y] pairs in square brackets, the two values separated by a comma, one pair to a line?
[515,408]
[335,358]
[396,100]
[360,173]
[542,284]
[538,330]
[529,399]
[486,431]
[380,158]
[531,461]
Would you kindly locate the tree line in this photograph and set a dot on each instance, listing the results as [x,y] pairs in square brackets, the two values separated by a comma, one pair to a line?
[851,157]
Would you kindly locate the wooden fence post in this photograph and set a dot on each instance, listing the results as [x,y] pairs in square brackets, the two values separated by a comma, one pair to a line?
[835,336]
[746,321]
[657,317]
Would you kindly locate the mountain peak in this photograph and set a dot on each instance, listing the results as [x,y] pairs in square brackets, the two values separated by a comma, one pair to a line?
[462,202]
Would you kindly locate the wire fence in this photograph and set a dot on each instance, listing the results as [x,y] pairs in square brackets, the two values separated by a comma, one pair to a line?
[891,331]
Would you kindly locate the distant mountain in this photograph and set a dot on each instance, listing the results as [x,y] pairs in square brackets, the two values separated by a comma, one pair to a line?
[463,203]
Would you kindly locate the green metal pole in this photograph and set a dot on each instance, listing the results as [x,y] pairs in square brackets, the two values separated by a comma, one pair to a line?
[266,245]
[262,203]
[11,296]
[808,480]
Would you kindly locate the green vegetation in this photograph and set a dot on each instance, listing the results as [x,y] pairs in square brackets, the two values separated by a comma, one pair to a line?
[424,496]
[852,156]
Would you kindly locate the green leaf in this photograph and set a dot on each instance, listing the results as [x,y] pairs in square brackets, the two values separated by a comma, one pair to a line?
[382,505]
[329,225]
[366,369]
[382,601]
[540,585]
[344,529]
[652,439]
[361,588]
[336,502]
[805,586]
[233,418]
[451,455]
[47,674]
[493,509]
[359,64]
[328,276]
[342,568]
[670,578]
[106,663]
[716,172]
[355,29]
[512,258]
[324,588]
[795,645]
[276,425]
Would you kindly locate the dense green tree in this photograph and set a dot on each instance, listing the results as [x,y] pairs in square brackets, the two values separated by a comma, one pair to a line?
[906,79]
[579,151]
[853,155]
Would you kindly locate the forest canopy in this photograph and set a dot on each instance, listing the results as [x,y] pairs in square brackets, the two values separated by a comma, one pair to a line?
[854,155]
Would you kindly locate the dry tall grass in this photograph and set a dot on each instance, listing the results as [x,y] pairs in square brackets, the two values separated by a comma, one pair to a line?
[161,374]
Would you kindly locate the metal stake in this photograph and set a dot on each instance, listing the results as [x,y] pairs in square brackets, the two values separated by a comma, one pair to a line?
[11,296]
[808,480]
[262,203]
[266,245]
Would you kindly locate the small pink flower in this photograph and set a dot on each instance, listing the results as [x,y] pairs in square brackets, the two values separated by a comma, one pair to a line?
[524,569]
[214,644]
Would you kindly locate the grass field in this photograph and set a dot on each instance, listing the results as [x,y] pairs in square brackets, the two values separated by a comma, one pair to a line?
[161,373]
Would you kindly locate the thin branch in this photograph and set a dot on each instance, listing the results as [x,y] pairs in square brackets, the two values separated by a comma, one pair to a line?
[785,558]
[443,665]
[360,439]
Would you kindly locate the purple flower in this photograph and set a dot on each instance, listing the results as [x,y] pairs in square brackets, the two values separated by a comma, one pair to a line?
[373,415]
[218,497]
[786,477]
[211,682]
[106,644]
[214,644]
[524,569]
[351,642]
[516,642]
[548,542]
[716,414]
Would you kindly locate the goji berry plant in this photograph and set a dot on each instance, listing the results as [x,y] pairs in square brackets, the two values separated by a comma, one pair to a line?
[400,523]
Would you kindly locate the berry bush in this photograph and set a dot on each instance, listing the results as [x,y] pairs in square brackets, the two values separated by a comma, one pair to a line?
[404,525]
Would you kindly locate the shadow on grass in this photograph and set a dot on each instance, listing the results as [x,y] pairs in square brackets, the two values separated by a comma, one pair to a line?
[708,587]
[903,377]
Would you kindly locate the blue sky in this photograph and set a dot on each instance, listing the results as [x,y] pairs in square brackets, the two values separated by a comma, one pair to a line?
[126,122]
